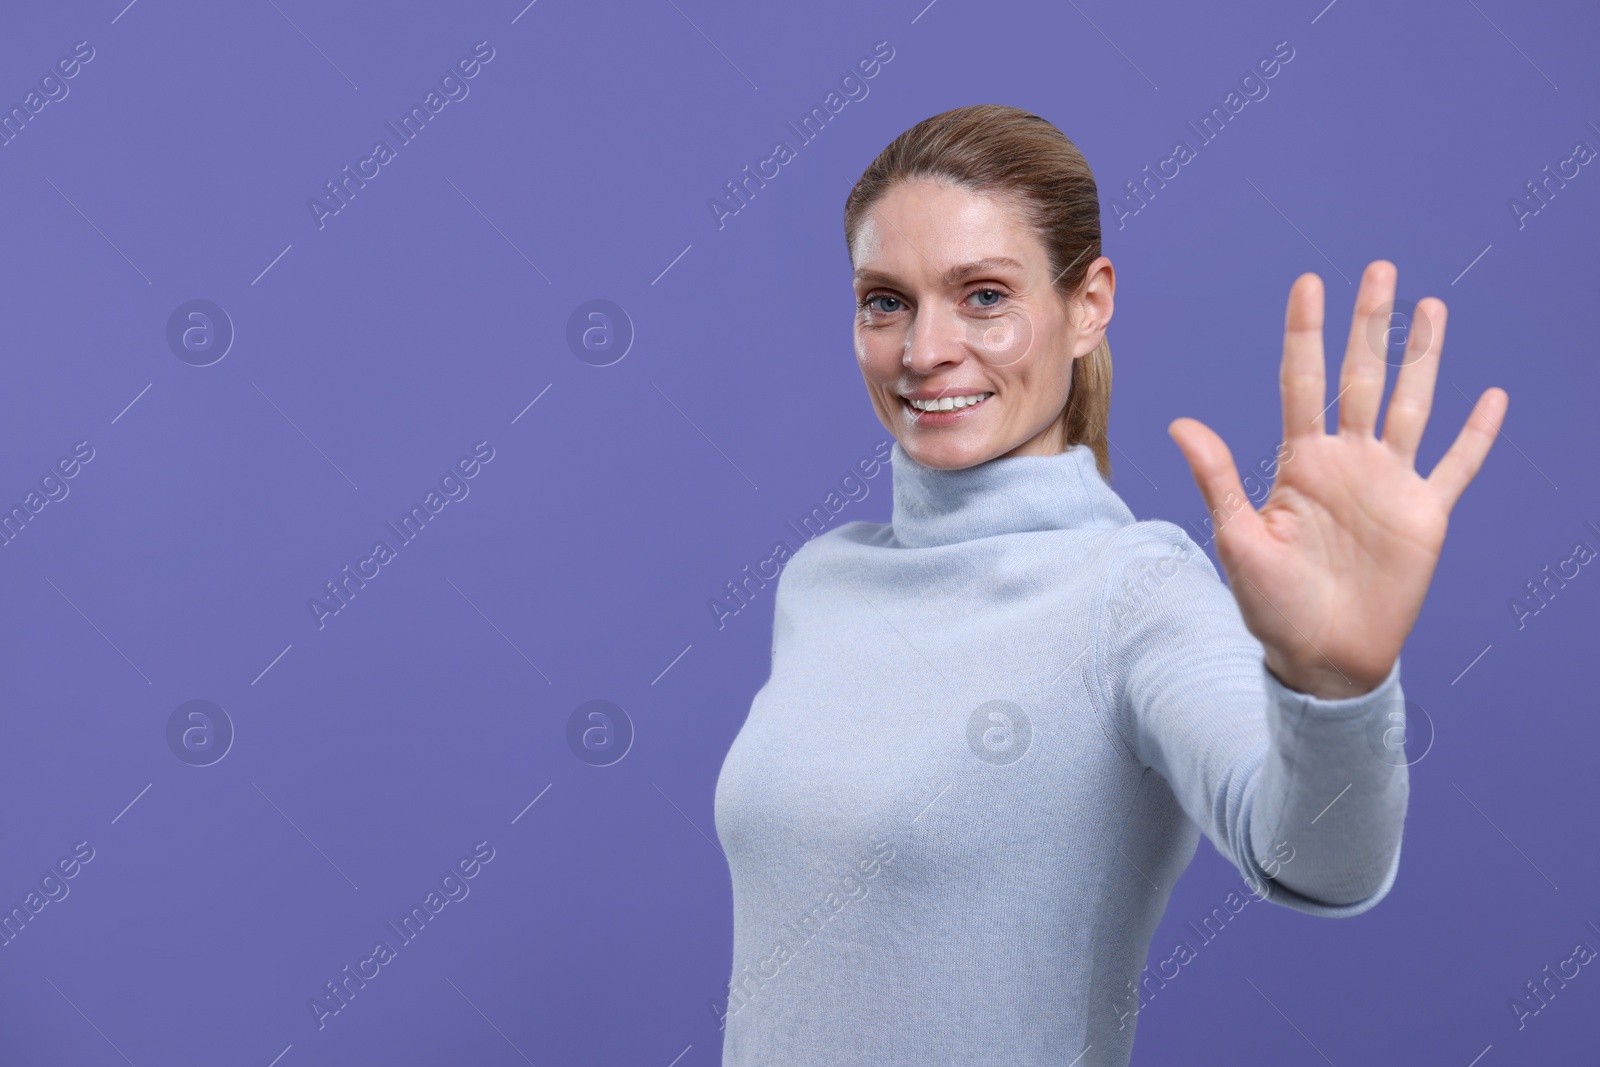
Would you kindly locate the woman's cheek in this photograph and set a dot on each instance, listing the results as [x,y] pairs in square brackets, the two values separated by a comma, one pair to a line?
[878,348]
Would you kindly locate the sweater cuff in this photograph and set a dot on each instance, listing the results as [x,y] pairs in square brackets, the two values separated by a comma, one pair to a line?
[1331,788]
[1322,707]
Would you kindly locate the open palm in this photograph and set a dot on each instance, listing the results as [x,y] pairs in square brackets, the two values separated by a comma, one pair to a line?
[1331,572]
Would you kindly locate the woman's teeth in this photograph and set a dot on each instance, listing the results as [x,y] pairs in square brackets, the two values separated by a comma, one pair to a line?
[949,403]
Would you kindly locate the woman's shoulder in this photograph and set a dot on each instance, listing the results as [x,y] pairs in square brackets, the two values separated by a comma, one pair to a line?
[846,536]
[832,546]
[1153,566]
[1154,535]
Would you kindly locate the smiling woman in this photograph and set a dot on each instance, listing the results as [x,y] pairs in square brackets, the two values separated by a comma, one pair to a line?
[1015,681]
[942,267]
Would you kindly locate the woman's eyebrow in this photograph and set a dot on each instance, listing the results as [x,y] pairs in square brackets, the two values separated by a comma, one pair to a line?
[980,266]
[953,276]
[872,277]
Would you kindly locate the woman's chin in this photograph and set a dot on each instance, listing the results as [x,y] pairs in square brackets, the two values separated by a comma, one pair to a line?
[950,448]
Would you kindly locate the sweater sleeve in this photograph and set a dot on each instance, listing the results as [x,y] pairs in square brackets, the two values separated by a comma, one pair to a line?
[1305,796]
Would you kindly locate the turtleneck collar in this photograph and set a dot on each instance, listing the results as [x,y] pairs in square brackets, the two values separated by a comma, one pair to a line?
[1014,494]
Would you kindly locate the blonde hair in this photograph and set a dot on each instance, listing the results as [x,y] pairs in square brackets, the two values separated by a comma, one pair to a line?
[1001,150]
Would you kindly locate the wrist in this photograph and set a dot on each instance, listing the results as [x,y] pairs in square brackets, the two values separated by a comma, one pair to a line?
[1320,679]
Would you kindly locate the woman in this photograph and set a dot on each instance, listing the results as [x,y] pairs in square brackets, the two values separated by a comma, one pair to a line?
[996,726]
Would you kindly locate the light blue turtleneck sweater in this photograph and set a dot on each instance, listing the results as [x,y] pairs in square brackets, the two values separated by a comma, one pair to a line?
[994,731]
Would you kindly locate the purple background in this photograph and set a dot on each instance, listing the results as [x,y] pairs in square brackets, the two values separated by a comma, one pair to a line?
[427,315]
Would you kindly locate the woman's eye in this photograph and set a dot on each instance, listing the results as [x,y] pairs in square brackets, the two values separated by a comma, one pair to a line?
[981,293]
[872,303]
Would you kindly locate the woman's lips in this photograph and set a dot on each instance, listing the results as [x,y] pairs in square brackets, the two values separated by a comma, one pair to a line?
[944,418]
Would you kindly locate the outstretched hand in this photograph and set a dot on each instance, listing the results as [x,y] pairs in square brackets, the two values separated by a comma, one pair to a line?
[1331,572]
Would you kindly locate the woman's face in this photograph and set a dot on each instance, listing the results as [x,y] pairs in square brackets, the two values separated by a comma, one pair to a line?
[956,302]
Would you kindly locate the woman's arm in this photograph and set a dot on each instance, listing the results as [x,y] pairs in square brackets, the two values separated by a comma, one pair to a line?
[1274,742]
[1300,792]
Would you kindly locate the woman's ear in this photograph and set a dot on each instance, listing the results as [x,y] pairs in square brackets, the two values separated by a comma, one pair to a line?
[1088,323]
[1094,304]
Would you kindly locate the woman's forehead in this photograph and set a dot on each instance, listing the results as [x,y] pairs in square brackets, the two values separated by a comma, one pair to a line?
[934,231]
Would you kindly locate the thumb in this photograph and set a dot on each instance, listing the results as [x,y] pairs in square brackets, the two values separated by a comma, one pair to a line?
[1211,463]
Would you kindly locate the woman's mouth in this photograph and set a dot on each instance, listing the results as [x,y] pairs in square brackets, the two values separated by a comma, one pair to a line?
[945,409]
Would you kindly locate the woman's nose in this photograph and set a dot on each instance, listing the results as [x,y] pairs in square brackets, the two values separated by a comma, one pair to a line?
[933,339]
